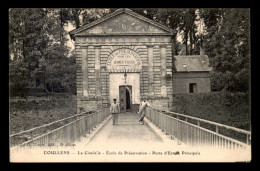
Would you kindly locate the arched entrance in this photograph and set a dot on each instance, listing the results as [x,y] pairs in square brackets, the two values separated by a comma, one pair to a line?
[129,92]
[124,66]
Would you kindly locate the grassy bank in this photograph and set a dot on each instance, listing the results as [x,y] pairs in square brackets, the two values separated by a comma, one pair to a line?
[32,113]
[228,109]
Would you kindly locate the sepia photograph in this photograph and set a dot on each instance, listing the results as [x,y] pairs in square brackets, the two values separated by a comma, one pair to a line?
[90,85]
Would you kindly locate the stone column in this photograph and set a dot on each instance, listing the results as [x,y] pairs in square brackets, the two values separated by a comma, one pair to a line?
[150,70]
[97,70]
[163,70]
[79,76]
[85,71]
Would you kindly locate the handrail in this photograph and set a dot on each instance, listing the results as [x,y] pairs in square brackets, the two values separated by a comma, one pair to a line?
[69,132]
[192,134]
[209,122]
[46,125]
[50,132]
[212,132]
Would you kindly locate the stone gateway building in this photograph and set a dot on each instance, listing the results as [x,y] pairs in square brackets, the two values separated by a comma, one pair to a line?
[123,55]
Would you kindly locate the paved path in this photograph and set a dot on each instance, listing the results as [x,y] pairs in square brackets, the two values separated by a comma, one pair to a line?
[135,142]
[127,133]
[128,129]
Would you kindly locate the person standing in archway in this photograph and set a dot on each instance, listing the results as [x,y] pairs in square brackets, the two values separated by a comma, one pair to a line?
[115,110]
[142,109]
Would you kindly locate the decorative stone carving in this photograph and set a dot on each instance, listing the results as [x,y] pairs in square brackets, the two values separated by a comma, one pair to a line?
[123,24]
[163,91]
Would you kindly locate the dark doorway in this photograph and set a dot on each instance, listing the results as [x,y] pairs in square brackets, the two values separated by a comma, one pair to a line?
[193,87]
[125,93]
[127,100]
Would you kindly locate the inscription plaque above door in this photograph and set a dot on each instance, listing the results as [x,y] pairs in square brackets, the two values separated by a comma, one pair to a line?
[124,60]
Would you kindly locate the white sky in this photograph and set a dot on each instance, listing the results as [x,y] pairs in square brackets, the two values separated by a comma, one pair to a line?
[70,41]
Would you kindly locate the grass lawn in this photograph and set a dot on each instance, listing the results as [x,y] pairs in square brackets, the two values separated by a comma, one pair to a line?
[29,114]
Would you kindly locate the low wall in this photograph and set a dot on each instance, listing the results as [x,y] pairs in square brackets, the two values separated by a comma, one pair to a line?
[87,104]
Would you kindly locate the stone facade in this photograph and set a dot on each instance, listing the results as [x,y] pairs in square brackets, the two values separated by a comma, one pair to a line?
[144,48]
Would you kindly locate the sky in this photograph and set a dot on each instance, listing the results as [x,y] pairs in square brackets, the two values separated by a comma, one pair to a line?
[70,42]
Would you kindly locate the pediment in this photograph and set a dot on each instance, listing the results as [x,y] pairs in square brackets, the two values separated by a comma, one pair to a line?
[123,22]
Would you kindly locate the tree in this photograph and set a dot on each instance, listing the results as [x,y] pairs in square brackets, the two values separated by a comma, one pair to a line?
[38,48]
[172,19]
[227,44]
[211,17]
[18,78]
[92,14]
[75,14]
[55,66]
[64,18]
[188,29]
[26,42]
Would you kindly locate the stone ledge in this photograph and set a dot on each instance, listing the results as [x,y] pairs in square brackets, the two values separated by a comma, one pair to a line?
[157,98]
[91,98]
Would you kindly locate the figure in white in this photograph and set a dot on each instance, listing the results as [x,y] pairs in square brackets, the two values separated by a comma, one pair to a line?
[142,109]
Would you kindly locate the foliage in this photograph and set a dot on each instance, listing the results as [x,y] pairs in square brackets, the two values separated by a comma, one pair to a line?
[211,17]
[90,15]
[17,78]
[227,45]
[37,41]
[75,16]
[27,39]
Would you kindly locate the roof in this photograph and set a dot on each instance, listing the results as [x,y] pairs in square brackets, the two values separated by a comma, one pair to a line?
[192,63]
[134,16]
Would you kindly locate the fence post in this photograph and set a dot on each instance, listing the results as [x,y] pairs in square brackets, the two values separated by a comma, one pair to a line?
[247,139]
[31,135]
